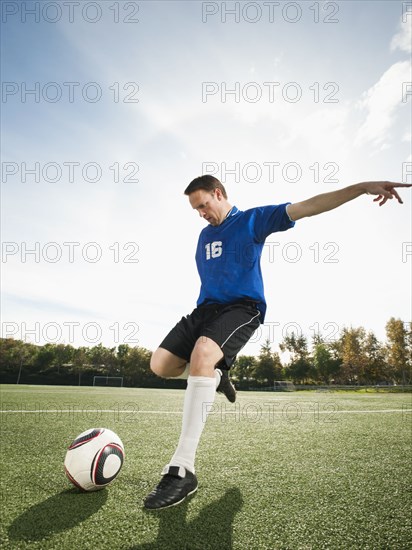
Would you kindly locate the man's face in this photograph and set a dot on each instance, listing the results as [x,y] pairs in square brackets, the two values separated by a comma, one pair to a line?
[210,205]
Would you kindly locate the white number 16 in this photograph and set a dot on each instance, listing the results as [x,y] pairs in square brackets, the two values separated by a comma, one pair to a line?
[213,250]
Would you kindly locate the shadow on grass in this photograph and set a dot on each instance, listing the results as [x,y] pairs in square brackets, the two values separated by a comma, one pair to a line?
[56,514]
[212,528]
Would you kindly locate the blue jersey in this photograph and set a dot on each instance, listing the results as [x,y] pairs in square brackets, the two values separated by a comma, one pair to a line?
[228,255]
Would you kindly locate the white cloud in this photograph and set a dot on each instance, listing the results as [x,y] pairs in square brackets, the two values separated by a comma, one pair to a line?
[381,103]
[403,39]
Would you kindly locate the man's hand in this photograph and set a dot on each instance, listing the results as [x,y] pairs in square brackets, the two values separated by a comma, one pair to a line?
[384,189]
[328,201]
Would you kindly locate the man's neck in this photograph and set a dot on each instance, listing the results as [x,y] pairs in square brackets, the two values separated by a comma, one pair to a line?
[229,212]
[228,209]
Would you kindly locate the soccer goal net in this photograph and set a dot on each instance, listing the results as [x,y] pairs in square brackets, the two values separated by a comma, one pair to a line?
[115,381]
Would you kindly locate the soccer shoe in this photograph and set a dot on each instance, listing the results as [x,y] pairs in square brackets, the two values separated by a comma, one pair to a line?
[226,387]
[176,484]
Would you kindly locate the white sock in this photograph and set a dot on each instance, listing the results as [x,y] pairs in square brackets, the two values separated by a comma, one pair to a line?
[199,397]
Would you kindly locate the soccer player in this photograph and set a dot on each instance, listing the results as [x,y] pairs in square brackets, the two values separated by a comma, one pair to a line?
[231,305]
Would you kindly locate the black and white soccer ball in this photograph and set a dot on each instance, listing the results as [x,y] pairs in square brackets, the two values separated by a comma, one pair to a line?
[94,459]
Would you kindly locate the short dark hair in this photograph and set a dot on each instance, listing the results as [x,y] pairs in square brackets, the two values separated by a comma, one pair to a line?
[206,183]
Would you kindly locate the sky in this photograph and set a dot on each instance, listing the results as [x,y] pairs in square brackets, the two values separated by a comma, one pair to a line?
[110,109]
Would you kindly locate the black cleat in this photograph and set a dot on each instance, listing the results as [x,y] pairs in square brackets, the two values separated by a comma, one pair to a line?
[226,387]
[176,484]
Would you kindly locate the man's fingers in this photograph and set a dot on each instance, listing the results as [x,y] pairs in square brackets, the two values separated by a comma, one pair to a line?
[382,199]
[385,190]
[386,194]
[396,194]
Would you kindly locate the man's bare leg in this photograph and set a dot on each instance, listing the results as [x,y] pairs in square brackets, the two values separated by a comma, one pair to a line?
[167,365]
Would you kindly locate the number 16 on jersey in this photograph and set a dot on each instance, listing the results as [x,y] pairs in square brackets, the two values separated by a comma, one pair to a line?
[213,250]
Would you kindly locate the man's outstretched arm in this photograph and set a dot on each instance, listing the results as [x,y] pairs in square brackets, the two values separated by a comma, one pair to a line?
[328,201]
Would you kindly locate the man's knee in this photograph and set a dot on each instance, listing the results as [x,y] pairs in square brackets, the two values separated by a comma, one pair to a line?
[205,356]
[165,364]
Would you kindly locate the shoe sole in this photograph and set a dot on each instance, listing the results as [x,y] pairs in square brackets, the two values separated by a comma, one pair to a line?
[230,400]
[229,383]
[174,503]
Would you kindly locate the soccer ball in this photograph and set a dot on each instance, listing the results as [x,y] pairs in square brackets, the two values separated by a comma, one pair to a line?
[94,459]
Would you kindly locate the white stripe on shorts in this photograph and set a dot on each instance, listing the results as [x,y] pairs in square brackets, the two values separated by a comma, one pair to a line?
[239,327]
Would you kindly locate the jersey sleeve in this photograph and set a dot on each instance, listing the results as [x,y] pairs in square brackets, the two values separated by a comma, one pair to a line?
[270,219]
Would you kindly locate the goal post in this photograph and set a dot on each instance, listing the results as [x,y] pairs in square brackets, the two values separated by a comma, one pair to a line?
[111,381]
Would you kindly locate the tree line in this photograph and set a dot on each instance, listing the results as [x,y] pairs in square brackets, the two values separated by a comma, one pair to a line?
[355,357]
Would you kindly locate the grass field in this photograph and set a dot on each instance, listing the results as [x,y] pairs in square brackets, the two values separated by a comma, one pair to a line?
[300,470]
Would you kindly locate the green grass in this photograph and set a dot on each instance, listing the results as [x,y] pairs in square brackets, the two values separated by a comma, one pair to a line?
[276,471]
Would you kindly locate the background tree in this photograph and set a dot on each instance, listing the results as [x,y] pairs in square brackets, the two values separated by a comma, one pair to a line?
[80,362]
[123,351]
[408,328]
[299,366]
[354,359]
[268,366]
[376,367]
[325,365]
[63,354]
[15,355]
[398,350]
[45,357]
[103,359]
[243,369]
[137,367]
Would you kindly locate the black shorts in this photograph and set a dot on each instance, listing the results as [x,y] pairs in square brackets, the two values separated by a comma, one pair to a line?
[229,325]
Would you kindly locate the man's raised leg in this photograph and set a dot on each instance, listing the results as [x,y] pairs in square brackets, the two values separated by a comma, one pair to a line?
[167,365]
